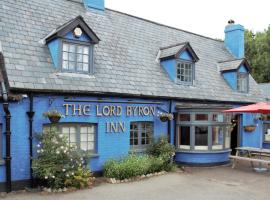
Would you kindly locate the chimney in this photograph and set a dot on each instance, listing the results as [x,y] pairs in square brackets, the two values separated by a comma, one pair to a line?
[95,4]
[234,39]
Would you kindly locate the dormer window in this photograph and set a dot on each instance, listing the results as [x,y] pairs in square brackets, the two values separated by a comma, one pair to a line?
[72,45]
[76,57]
[236,74]
[179,62]
[184,72]
[242,82]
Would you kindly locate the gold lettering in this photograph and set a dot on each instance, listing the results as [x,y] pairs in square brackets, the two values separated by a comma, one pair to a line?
[86,110]
[99,114]
[79,109]
[67,107]
[106,111]
[119,111]
[129,110]
[153,110]
[122,126]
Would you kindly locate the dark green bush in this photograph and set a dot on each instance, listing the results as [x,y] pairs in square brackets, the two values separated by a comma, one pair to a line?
[132,166]
[162,150]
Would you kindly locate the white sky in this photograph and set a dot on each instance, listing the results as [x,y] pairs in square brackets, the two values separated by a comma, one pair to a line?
[205,17]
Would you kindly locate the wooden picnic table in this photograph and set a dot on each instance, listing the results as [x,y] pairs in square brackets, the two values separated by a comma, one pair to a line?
[252,155]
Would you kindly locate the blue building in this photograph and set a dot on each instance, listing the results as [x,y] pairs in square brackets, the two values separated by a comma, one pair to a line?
[113,77]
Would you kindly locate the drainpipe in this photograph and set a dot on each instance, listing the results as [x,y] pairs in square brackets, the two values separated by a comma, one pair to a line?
[169,123]
[8,133]
[31,114]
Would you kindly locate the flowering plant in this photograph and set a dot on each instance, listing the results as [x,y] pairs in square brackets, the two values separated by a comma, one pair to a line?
[52,113]
[166,117]
[57,162]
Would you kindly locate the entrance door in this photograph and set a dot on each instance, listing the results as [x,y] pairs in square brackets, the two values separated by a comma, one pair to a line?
[235,134]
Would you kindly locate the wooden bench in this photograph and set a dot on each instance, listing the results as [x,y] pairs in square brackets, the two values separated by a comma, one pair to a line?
[251,160]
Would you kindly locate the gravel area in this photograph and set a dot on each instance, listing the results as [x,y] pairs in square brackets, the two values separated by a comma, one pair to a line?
[222,183]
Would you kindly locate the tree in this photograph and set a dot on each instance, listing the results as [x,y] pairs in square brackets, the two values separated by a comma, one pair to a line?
[257,51]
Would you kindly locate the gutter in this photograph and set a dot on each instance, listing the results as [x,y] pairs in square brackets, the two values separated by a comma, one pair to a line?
[8,134]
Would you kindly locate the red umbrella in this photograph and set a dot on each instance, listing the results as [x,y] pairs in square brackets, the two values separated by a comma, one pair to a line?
[263,108]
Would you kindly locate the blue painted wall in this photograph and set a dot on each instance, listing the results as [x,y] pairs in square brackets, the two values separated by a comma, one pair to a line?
[251,139]
[109,145]
[231,79]
[243,69]
[185,55]
[234,40]
[202,158]
[83,38]
[96,4]
[170,68]
[54,46]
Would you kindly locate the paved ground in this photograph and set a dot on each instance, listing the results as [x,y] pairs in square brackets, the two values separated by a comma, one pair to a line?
[219,183]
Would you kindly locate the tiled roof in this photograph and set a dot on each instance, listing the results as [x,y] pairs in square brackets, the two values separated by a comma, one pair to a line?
[170,51]
[125,58]
[232,64]
[174,50]
[266,89]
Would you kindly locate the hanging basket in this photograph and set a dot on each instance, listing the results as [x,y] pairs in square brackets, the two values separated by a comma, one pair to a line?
[54,119]
[166,117]
[249,128]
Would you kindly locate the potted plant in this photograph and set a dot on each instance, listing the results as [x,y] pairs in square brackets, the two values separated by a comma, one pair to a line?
[250,128]
[53,115]
[166,117]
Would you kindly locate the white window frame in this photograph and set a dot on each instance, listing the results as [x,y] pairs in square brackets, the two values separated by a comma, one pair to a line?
[140,130]
[191,78]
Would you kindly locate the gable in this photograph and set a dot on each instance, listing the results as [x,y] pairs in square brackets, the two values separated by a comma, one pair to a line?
[185,55]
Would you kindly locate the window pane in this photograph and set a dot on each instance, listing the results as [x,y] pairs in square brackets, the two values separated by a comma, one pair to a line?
[227,137]
[184,137]
[71,65]
[85,58]
[91,137]
[91,145]
[83,129]
[201,117]
[267,131]
[84,146]
[86,50]
[72,48]
[217,137]
[201,137]
[85,67]
[72,137]
[80,49]
[84,137]
[65,64]
[218,118]
[79,58]
[184,117]
[65,47]
[65,56]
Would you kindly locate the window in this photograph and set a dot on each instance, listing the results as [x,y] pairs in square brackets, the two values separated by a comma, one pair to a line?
[203,131]
[141,134]
[76,57]
[81,136]
[266,128]
[242,82]
[184,72]
[184,137]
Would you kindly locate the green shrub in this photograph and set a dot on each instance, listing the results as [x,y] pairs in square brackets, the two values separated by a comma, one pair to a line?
[132,166]
[164,151]
[59,165]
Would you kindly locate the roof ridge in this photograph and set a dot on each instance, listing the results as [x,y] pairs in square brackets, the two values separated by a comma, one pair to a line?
[160,24]
[231,60]
[173,45]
